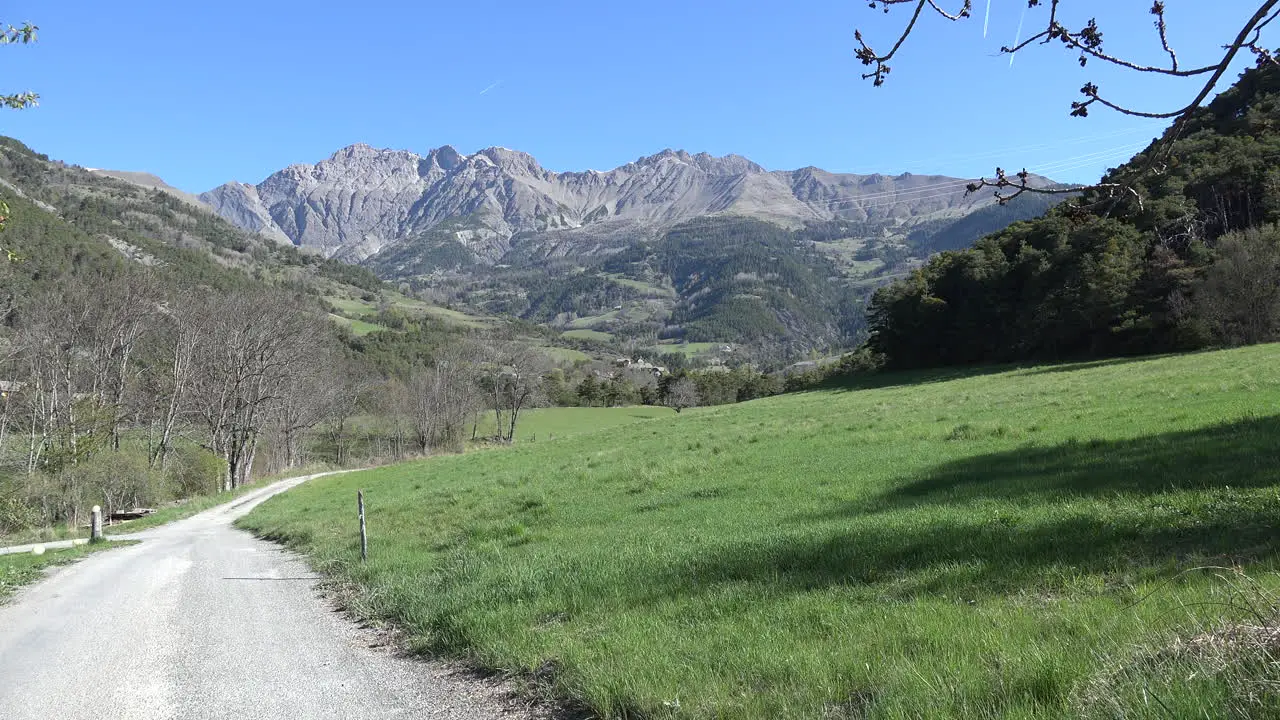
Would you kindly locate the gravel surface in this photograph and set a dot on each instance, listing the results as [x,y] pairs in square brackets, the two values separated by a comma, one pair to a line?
[201,620]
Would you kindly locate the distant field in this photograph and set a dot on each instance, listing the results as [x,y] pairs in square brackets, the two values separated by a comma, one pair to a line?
[566,355]
[359,308]
[648,289]
[586,323]
[1016,544]
[352,306]
[358,327]
[588,335]
[689,349]
[561,422]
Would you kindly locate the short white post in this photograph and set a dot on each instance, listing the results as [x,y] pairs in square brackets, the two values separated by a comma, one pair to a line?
[95,525]
[364,538]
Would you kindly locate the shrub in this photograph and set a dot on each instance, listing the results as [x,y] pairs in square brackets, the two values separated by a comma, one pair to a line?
[15,513]
[118,480]
[192,471]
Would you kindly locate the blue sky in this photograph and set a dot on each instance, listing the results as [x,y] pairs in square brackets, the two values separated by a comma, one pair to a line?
[204,93]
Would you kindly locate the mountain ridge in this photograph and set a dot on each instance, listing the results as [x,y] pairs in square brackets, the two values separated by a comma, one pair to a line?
[361,199]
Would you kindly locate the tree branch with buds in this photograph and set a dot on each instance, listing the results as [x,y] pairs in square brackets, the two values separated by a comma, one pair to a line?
[22,35]
[10,35]
[1088,43]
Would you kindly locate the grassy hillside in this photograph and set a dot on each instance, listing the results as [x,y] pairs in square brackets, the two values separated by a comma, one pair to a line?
[1009,544]
[563,422]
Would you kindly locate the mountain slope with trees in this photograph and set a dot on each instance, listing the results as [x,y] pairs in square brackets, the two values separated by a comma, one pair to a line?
[1187,260]
[498,234]
[149,350]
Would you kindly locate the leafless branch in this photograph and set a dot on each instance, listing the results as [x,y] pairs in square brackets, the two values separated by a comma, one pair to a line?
[1020,184]
[868,56]
[1088,41]
[1157,9]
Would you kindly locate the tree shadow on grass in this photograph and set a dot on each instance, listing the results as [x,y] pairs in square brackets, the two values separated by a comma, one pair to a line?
[1092,364]
[908,378]
[912,541]
[1240,454]
[980,558]
[902,378]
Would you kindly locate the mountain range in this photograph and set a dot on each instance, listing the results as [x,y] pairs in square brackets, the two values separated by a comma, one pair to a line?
[361,200]
[672,253]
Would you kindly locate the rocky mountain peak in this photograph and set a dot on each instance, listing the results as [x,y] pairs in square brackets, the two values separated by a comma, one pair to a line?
[446,157]
[363,199]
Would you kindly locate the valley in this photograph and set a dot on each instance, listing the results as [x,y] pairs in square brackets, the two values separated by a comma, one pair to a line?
[638,256]
[470,432]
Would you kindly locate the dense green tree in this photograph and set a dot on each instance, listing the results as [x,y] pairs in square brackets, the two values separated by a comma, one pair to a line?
[589,391]
[1108,274]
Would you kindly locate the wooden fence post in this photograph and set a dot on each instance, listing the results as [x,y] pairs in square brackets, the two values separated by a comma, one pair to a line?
[364,538]
[95,525]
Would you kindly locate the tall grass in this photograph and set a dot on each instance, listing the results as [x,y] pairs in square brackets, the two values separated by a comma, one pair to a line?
[967,545]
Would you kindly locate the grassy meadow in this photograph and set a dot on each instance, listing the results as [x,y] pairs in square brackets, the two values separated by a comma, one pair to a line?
[596,335]
[1027,543]
[554,423]
[359,328]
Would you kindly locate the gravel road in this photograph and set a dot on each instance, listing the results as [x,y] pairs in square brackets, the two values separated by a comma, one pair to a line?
[201,620]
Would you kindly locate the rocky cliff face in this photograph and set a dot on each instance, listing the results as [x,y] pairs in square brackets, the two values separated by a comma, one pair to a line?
[362,200]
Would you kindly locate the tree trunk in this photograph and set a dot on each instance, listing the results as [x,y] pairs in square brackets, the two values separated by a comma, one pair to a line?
[246,472]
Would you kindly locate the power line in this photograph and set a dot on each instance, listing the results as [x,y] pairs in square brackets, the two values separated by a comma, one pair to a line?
[1028,148]
[921,192]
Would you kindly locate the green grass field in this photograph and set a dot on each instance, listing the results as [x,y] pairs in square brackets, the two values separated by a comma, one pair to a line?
[592,321]
[567,356]
[588,335]
[649,289]
[541,424]
[689,348]
[360,308]
[1018,544]
[358,328]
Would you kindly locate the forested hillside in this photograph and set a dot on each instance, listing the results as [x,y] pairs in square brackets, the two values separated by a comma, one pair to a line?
[776,294]
[67,220]
[746,281]
[1189,259]
[150,351]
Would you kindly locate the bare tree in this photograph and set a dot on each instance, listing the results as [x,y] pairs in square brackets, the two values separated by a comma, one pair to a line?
[1087,43]
[681,394]
[444,397]
[177,339]
[60,352]
[125,310]
[251,346]
[513,381]
[8,393]
[396,402]
[306,401]
[350,388]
